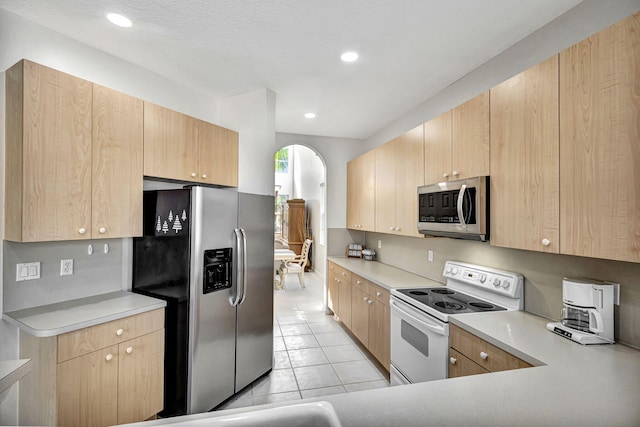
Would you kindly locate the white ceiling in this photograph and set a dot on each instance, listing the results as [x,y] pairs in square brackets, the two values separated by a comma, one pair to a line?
[409,49]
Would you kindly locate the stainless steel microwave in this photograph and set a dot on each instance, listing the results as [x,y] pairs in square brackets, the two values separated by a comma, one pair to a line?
[458,209]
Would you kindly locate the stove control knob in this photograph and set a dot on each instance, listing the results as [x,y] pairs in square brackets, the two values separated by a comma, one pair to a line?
[455,271]
[496,282]
[449,269]
[483,278]
[506,284]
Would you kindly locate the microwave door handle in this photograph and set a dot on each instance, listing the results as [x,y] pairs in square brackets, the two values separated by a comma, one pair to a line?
[463,223]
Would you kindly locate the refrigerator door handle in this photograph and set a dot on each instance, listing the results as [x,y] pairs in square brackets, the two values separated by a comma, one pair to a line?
[235,299]
[245,266]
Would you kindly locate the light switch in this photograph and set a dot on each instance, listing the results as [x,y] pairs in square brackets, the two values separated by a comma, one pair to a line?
[27,271]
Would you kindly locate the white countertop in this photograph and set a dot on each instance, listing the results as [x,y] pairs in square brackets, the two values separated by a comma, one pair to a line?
[384,275]
[59,318]
[11,371]
[570,385]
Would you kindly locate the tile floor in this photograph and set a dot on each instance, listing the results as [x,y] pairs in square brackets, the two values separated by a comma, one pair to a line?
[313,355]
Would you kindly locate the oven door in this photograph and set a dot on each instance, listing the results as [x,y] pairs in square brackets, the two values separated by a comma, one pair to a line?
[419,343]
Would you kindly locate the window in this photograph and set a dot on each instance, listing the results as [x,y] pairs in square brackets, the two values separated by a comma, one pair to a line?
[282,161]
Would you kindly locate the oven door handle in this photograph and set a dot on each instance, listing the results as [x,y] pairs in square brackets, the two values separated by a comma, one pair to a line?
[403,313]
[463,223]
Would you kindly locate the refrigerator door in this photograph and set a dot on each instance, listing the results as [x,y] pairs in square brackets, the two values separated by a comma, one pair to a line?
[212,317]
[254,355]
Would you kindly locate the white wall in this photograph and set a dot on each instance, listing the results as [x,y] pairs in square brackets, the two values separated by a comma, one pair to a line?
[253,115]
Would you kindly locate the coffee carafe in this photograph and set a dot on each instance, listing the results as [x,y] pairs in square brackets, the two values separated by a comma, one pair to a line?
[587,312]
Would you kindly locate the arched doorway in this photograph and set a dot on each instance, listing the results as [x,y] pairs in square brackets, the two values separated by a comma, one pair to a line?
[300,177]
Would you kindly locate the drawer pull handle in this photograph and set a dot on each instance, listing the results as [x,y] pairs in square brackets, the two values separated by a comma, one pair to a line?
[370,302]
[119,332]
[365,299]
[483,355]
[193,174]
[82,230]
[129,350]
[358,282]
[453,360]
[102,230]
[108,357]
[204,176]
[378,293]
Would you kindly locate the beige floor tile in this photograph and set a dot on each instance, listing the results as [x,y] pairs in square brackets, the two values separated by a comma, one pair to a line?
[307,357]
[316,376]
[356,372]
[323,391]
[300,341]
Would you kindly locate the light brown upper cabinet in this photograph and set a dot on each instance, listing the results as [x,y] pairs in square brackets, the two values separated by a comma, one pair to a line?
[116,165]
[399,172]
[600,144]
[180,147]
[524,160]
[73,158]
[457,142]
[361,175]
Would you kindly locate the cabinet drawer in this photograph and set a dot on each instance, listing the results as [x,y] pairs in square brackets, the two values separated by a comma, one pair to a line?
[360,283]
[481,352]
[461,366]
[87,340]
[380,294]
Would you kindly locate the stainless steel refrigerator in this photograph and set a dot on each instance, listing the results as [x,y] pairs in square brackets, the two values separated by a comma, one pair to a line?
[209,253]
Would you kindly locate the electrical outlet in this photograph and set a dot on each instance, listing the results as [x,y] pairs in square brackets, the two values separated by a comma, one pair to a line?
[430,256]
[66,267]
[379,244]
[27,271]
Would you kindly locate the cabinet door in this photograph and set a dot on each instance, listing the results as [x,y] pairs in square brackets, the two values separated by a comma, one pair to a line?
[332,293]
[385,199]
[380,332]
[367,191]
[170,144]
[599,140]
[437,149]
[54,170]
[353,193]
[361,193]
[409,175]
[461,366]
[524,160]
[87,389]
[141,377]
[345,301]
[218,155]
[470,138]
[117,165]
[360,315]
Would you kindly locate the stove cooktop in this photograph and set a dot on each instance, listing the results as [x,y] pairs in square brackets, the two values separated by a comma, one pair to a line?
[448,301]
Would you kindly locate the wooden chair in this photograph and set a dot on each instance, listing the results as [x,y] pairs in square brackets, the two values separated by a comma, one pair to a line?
[296,265]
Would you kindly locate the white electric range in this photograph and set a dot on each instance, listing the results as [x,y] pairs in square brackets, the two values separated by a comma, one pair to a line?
[420,317]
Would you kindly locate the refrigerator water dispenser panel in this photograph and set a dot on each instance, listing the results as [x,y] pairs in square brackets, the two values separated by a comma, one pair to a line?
[218,265]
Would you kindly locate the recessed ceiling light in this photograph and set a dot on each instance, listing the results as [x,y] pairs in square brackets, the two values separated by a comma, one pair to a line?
[349,56]
[119,20]
[310,115]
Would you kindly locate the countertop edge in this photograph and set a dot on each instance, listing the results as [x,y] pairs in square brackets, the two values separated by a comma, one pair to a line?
[350,263]
[16,370]
[153,304]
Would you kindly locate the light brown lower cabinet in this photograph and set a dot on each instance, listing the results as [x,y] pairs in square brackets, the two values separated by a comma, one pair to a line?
[112,373]
[371,318]
[471,355]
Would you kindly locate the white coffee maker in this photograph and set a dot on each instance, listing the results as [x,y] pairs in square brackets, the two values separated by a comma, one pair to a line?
[587,315]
